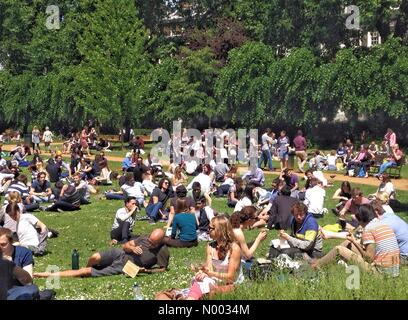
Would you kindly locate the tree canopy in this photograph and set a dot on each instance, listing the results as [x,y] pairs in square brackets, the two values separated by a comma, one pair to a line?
[237,62]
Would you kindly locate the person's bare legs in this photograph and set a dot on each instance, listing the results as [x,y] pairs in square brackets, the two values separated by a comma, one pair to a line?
[349,255]
[83,272]
[333,235]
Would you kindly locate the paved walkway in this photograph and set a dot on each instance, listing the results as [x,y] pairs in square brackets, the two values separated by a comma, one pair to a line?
[400,184]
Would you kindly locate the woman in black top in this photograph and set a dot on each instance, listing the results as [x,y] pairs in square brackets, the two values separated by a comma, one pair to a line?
[158,200]
[343,194]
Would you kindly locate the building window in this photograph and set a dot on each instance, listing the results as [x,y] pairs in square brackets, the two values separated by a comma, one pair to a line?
[375,38]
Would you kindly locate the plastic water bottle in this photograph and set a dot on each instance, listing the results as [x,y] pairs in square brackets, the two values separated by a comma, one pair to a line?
[75,260]
[137,292]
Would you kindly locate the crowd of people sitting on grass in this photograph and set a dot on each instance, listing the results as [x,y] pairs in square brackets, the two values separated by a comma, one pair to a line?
[182,197]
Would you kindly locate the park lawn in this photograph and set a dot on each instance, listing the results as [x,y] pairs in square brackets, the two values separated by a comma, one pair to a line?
[88,231]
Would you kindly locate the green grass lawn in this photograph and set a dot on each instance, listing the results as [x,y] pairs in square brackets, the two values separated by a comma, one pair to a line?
[88,231]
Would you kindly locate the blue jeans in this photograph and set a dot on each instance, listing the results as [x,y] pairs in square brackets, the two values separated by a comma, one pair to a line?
[386,165]
[152,210]
[266,154]
[114,196]
[28,292]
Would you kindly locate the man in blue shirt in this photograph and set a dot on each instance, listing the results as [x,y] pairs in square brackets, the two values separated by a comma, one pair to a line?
[41,189]
[127,162]
[22,258]
[399,226]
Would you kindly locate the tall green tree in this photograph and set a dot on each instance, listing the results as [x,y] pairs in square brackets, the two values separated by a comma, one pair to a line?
[114,51]
[243,88]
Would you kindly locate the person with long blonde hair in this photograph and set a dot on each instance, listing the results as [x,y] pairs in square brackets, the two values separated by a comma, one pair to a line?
[222,269]
[35,138]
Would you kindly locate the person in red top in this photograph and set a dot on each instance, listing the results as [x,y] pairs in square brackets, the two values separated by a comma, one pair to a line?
[391,139]
[84,140]
[300,145]
[393,160]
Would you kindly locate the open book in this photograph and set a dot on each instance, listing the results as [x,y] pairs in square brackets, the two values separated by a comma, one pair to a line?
[131,269]
[280,244]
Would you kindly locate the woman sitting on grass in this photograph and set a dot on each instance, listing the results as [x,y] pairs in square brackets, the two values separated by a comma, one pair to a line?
[377,252]
[385,186]
[185,224]
[343,194]
[223,264]
[179,177]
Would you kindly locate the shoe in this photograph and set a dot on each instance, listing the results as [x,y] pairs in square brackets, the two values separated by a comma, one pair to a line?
[54,233]
[60,210]
[152,221]
[47,294]
[39,253]
[43,208]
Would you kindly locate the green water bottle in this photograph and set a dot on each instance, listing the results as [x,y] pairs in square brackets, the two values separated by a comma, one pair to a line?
[75,260]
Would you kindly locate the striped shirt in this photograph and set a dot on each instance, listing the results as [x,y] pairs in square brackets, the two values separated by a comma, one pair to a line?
[387,251]
[19,187]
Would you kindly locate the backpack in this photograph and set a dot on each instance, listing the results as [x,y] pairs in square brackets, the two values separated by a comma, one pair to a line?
[204,223]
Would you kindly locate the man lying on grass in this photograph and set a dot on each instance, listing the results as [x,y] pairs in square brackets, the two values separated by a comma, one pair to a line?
[144,251]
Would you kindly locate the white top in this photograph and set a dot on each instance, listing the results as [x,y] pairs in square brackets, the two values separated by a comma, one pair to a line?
[204,180]
[122,215]
[191,166]
[27,234]
[388,188]
[47,136]
[149,186]
[3,163]
[319,175]
[209,212]
[314,199]
[228,181]
[331,160]
[387,209]
[244,202]
[266,140]
[137,190]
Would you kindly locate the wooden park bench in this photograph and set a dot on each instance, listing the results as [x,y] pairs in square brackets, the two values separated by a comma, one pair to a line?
[393,172]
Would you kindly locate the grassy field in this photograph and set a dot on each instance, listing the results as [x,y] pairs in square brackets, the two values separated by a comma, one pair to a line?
[88,231]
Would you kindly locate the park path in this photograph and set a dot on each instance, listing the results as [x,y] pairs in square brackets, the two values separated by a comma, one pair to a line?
[400,184]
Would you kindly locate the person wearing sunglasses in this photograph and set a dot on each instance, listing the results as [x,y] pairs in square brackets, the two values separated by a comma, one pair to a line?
[222,270]
[158,200]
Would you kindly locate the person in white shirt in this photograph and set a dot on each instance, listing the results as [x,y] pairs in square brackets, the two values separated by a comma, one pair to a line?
[191,166]
[204,180]
[148,183]
[248,198]
[124,221]
[385,186]
[224,188]
[134,189]
[5,181]
[331,161]
[3,162]
[314,198]
[266,152]
[204,215]
[27,225]
[47,138]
